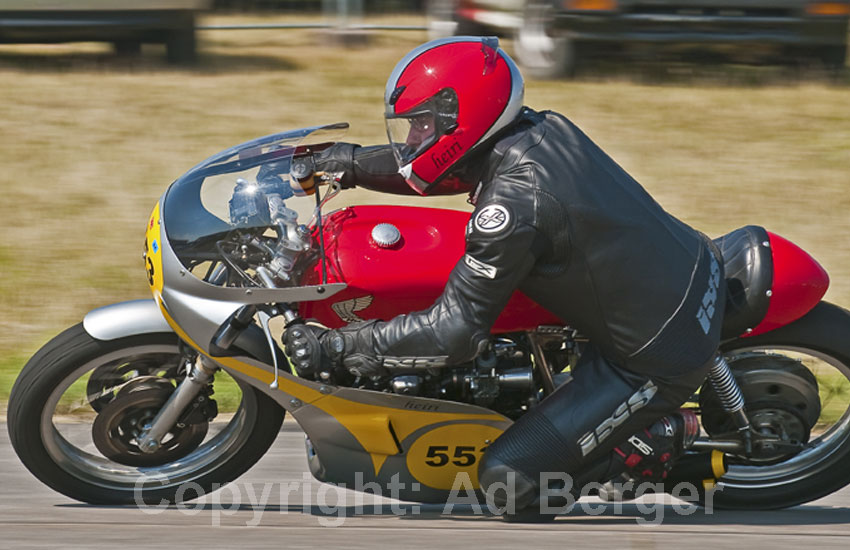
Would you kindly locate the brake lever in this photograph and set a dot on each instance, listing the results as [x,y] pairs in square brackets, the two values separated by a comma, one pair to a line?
[264,323]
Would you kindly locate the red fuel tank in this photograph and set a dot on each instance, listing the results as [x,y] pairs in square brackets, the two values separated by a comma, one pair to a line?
[385,280]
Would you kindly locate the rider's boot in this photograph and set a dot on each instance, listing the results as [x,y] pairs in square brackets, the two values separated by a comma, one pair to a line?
[639,465]
[644,460]
[578,427]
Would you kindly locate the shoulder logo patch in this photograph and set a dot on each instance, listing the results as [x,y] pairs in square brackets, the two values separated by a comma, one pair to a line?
[493,218]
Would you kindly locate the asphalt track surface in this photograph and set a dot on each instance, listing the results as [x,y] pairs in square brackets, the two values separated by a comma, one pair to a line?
[275,505]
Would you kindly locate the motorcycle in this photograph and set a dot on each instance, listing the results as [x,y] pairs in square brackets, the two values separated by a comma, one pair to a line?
[121,409]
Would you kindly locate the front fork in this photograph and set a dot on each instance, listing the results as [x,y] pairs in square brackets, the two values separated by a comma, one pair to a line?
[203,370]
[196,380]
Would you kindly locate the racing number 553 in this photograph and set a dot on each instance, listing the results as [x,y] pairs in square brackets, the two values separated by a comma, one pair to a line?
[149,264]
[462,456]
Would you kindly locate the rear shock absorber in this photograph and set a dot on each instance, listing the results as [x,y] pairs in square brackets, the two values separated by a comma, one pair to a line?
[731,398]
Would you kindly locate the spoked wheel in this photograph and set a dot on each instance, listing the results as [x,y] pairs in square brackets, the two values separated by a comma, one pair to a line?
[78,405]
[796,381]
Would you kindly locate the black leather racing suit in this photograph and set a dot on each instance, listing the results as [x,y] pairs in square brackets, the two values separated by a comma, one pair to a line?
[557,218]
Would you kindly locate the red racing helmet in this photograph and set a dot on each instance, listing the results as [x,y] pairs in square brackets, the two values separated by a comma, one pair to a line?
[443,100]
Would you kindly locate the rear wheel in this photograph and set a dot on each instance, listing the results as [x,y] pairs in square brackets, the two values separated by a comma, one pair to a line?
[181,41]
[833,57]
[181,46]
[76,408]
[778,372]
[127,48]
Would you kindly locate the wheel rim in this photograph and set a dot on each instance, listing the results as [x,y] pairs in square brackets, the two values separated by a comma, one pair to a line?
[831,432]
[64,437]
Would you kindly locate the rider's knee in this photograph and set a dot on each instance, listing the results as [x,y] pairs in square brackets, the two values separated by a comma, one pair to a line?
[503,483]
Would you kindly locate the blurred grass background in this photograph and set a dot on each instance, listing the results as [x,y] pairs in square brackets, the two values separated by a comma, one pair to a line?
[89,141]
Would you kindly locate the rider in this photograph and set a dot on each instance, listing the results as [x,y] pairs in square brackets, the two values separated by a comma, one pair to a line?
[558,219]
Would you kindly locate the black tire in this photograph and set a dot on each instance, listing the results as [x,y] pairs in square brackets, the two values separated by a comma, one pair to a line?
[181,47]
[127,48]
[529,515]
[94,479]
[821,468]
[833,57]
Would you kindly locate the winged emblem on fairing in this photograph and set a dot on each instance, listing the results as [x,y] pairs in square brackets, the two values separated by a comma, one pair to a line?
[347,309]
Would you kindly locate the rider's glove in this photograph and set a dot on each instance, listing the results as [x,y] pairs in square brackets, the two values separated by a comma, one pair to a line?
[314,349]
[373,167]
[303,347]
[339,159]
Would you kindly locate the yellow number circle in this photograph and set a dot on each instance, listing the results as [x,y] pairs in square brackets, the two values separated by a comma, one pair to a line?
[438,456]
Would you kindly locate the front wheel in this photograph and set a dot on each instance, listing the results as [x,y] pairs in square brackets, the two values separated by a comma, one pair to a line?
[75,408]
[781,369]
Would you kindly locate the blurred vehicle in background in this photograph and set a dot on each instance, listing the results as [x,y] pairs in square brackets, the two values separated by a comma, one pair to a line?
[473,17]
[126,24]
[551,36]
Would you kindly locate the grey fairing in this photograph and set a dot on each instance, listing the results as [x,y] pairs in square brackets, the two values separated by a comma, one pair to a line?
[125,319]
[335,456]
[136,317]
[200,308]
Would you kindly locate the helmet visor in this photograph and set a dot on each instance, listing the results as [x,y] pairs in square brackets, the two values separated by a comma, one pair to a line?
[411,135]
[415,130]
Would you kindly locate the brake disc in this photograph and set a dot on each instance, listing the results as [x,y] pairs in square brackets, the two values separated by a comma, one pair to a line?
[120,422]
[106,380]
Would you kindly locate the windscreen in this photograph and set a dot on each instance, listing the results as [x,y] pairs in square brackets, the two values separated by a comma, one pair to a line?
[240,218]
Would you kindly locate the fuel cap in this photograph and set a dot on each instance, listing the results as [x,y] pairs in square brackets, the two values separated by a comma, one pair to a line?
[386,235]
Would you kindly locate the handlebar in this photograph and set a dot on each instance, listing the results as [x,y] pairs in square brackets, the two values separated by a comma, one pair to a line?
[303,174]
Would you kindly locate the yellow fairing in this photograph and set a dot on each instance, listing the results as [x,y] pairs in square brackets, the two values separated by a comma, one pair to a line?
[437,458]
[153,254]
[462,438]
[380,431]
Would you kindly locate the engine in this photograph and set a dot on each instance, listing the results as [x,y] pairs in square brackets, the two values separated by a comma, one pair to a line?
[501,379]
